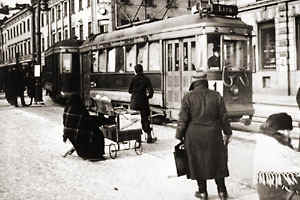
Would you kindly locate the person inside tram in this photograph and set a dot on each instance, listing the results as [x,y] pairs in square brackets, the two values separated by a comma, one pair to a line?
[82,130]
[214,61]
[186,64]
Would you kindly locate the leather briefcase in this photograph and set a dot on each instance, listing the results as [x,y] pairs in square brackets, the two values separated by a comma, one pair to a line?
[181,160]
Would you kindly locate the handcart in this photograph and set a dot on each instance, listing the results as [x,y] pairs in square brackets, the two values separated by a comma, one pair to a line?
[119,136]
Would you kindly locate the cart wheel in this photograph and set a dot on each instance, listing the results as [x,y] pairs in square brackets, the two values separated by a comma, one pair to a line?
[138,147]
[112,151]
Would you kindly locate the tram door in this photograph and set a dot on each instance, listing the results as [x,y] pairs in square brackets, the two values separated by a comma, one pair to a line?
[179,62]
[173,79]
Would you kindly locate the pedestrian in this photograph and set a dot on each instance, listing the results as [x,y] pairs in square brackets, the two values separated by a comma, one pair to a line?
[276,163]
[13,87]
[202,119]
[141,91]
[82,130]
[29,83]
[20,85]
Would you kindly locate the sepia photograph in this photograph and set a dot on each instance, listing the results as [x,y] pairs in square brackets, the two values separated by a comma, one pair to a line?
[149,99]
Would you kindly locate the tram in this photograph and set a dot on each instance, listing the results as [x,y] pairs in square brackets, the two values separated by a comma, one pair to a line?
[61,74]
[171,51]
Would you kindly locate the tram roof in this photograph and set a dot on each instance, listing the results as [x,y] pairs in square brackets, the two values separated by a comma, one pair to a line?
[168,25]
[70,43]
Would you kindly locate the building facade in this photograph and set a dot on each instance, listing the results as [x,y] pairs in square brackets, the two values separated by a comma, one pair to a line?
[276,43]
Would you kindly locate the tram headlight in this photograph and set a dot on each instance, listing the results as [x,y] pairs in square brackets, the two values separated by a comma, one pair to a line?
[234,90]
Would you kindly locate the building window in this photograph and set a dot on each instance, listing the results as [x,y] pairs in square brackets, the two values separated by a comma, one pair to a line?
[25,48]
[267,45]
[58,17]
[73,32]
[42,20]
[24,27]
[59,36]
[148,2]
[102,26]
[66,33]
[89,3]
[72,6]
[29,47]
[81,32]
[80,5]
[53,38]
[52,15]
[21,29]
[65,9]
[89,28]
[43,44]
[28,25]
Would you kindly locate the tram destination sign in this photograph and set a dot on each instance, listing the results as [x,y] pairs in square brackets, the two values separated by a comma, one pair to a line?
[219,9]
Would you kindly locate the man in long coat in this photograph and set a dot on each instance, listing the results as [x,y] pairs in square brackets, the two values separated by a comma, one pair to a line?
[201,120]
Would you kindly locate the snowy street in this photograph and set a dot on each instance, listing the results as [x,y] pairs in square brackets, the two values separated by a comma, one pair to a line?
[32,166]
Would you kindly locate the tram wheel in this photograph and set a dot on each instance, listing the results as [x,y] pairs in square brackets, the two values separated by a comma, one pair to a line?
[138,147]
[112,150]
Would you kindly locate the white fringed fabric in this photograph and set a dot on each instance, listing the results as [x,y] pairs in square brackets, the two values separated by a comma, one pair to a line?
[275,164]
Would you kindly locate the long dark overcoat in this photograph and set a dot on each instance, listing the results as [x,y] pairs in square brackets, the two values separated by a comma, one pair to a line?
[201,121]
[141,91]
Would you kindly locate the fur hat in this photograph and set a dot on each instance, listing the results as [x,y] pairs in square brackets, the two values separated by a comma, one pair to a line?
[278,121]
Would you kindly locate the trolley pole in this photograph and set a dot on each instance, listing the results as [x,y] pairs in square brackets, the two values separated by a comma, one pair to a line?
[37,66]
[41,5]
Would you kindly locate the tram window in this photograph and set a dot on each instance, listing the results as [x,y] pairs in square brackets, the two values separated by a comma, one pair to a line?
[95,62]
[130,57]
[154,55]
[236,53]
[102,60]
[120,61]
[67,62]
[142,55]
[189,56]
[111,65]
[213,52]
[176,57]
[170,57]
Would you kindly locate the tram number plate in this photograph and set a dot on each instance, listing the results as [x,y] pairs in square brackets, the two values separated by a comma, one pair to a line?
[216,85]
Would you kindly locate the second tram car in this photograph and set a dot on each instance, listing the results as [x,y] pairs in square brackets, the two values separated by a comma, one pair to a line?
[170,51]
[61,74]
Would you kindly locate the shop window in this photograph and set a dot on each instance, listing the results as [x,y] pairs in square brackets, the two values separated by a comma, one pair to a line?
[154,54]
[267,45]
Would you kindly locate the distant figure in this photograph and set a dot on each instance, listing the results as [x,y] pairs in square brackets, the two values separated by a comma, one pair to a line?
[186,64]
[298,97]
[82,131]
[20,84]
[214,61]
[202,119]
[276,163]
[141,91]
[30,85]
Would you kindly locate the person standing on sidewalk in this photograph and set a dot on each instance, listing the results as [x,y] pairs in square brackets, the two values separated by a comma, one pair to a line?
[141,91]
[201,120]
